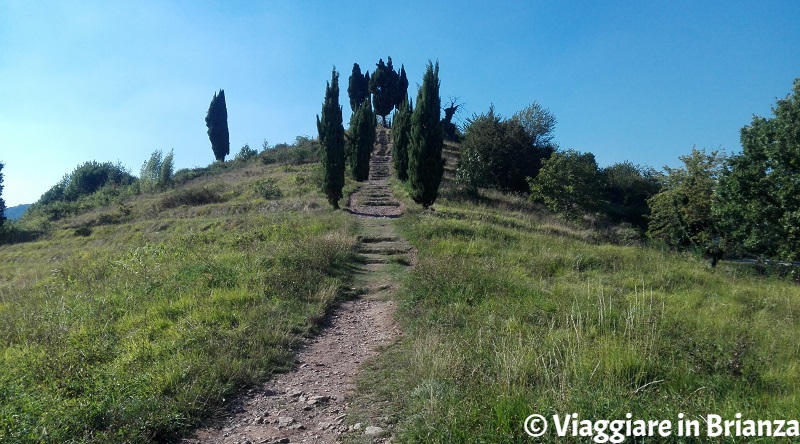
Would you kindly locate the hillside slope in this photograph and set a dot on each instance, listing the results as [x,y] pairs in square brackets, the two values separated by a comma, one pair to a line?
[511,312]
[133,322]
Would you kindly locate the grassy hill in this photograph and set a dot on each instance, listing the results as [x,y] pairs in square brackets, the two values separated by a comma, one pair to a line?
[512,312]
[132,322]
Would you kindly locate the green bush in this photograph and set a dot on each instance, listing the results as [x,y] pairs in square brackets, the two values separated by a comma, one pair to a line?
[303,150]
[246,153]
[268,189]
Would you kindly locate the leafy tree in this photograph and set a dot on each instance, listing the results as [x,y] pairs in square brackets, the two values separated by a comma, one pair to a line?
[156,172]
[217,123]
[759,191]
[499,154]
[360,141]
[539,123]
[401,138]
[2,202]
[425,162]
[383,86]
[626,188]
[681,215]
[568,183]
[331,137]
[358,87]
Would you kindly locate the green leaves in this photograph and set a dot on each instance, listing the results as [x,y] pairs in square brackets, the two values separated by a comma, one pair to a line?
[681,215]
[568,183]
[759,192]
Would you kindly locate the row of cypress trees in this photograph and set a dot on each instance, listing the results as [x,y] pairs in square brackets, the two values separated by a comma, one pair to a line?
[417,138]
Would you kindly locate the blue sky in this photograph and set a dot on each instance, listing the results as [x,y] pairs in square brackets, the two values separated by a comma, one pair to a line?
[640,81]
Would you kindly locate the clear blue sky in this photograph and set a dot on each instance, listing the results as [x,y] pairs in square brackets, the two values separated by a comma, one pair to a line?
[641,81]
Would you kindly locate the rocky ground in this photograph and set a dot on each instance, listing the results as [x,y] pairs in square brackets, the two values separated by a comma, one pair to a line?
[310,403]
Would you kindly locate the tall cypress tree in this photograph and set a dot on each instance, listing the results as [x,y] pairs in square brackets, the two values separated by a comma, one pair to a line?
[331,137]
[401,89]
[425,162]
[217,123]
[361,138]
[358,87]
[401,134]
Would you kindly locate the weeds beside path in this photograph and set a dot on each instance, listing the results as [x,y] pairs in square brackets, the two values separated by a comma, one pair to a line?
[310,403]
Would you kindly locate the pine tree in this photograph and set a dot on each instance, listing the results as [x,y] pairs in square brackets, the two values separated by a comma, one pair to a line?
[401,133]
[361,139]
[358,87]
[331,138]
[425,163]
[217,123]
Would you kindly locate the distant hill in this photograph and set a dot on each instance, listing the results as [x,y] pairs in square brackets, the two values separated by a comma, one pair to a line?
[14,213]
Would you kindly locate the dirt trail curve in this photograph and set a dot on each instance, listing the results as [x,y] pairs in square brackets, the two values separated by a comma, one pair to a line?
[309,404]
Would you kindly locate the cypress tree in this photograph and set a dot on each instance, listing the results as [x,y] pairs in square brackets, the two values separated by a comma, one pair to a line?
[361,139]
[217,123]
[331,138]
[358,87]
[401,89]
[425,163]
[401,133]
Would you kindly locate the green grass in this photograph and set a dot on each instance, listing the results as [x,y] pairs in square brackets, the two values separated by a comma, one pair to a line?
[510,313]
[141,328]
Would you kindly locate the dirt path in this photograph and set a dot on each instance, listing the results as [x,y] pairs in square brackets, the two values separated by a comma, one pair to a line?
[310,403]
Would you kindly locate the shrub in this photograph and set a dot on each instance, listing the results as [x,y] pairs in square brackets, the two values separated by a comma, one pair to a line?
[246,153]
[91,176]
[500,154]
[569,184]
[303,150]
[268,189]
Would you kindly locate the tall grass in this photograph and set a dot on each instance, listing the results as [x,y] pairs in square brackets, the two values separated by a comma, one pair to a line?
[509,313]
[135,332]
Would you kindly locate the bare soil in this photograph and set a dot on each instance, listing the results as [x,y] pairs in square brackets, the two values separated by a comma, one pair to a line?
[310,403]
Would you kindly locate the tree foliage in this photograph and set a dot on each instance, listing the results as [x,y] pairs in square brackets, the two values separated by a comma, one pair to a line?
[358,87]
[156,172]
[388,88]
[626,188]
[425,162]
[331,138]
[569,183]
[360,140]
[217,123]
[401,91]
[500,154]
[401,138]
[681,215]
[759,191]
[539,123]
